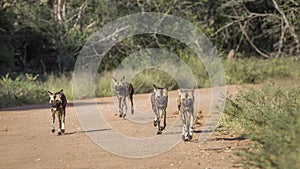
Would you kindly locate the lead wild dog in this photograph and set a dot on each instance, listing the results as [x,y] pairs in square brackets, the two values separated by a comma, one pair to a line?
[159,102]
[58,102]
[186,108]
[123,90]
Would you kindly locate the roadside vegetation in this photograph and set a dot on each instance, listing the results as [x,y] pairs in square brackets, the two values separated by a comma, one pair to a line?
[270,118]
[27,89]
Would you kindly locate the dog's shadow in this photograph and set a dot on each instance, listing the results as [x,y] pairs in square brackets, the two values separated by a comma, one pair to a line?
[86,131]
[70,133]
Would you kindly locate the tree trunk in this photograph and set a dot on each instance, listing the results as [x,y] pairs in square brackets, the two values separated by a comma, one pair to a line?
[53,4]
[64,9]
[59,5]
[59,8]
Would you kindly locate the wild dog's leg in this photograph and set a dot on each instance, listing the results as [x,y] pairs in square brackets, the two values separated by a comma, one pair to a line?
[156,116]
[159,128]
[63,121]
[184,127]
[125,107]
[155,120]
[187,116]
[131,100]
[160,115]
[52,121]
[120,107]
[165,119]
[59,122]
[191,125]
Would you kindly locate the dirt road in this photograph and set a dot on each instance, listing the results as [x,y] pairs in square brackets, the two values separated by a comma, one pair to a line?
[27,142]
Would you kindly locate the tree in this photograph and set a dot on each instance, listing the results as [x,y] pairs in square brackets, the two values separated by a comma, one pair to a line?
[270,27]
[46,35]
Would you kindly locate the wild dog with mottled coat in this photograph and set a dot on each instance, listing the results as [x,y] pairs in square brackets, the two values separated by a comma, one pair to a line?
[159,102]
[186,108]
[58,102]
[122,91]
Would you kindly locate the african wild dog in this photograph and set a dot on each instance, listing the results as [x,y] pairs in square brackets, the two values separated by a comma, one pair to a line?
[122,91]
[159,102]
[58,104]
[186,107]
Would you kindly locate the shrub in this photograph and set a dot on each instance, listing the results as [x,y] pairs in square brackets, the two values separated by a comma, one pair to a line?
[21,90]
[270,118]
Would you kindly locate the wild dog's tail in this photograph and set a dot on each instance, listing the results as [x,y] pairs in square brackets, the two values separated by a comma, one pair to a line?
[131,98]
[179,102]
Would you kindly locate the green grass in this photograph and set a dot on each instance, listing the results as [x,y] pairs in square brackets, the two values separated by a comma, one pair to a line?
[270,118]
[254,71]
[103,84]
[55,83]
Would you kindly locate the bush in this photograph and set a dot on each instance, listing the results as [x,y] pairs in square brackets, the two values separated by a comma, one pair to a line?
[254,71]
[270,118]
[22,90]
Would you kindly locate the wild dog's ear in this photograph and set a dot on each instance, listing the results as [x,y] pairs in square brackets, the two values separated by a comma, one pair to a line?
[61,91]
[50,93]
[179,92]
[123,78]
[155,88]
[115,80]
[167,86]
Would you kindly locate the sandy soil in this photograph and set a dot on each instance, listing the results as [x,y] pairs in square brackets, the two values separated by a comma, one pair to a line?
[27,142]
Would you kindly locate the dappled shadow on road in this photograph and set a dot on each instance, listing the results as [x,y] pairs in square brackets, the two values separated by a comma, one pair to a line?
[217,149]
[231,139]
[94,130]
[70,133]
[86,131]
[203,131]
[221,139]
[240,138]
[44,106]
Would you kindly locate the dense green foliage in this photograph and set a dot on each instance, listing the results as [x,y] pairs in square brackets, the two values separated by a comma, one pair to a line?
[22,90]
[270,118]
[45,36]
